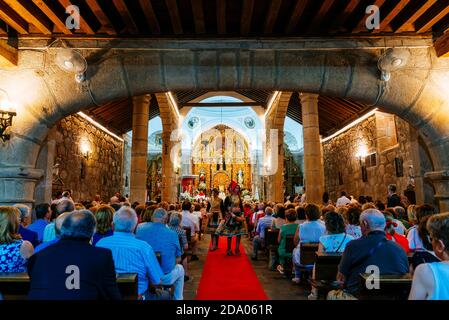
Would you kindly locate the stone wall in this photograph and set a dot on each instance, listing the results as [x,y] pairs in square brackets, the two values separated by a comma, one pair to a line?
[386,135]
[101,172]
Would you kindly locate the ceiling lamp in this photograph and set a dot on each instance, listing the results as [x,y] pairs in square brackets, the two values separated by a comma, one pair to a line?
[71,60]
[391,60]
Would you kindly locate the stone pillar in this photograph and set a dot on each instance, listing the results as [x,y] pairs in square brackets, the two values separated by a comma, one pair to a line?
[169,177]
[313,162]
[17,185]
[440,180]
[416,159]
[139,148]
[277,180]
[45,161]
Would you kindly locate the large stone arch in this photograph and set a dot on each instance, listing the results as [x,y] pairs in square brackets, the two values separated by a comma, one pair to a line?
[44,94]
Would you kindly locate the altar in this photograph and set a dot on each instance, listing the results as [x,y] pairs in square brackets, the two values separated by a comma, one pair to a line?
[219,156]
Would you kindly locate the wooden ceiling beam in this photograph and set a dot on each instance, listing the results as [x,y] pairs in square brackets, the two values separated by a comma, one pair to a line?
[84,25]
[442,45]
[48,11]
[9,55]
[344,15]
[319,17]
[440,12]
[12,18]
[174,16]
[361,25]
[198,16]
[31,15]
[409,22]
[296,15]
[152,21]
[272,15]
[221,16]
[247,16]
[391,15]
[126,15]
[106,24]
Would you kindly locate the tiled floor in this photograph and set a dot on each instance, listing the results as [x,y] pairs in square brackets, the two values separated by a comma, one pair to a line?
[276,286]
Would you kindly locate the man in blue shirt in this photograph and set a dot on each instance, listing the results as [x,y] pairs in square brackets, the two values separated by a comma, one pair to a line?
[25,220]
[58,224]
[42,217]
[264,222]
[132,255]
[165,242]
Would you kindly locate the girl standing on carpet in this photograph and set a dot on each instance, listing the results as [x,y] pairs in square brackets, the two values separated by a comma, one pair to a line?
[213,218]
[234,224]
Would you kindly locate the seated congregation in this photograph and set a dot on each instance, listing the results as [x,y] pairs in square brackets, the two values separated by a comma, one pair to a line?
[103,249]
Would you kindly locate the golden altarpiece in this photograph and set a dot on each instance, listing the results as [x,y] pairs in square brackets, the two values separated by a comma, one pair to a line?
[219,155]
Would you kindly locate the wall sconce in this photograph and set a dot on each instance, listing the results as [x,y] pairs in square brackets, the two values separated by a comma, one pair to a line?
[361,155]
[85,149]
[6,115]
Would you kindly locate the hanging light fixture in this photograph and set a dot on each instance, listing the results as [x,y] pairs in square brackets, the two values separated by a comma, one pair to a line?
[7,114]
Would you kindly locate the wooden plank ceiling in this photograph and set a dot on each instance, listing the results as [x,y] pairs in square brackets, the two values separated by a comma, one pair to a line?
[334,113]
[228,18]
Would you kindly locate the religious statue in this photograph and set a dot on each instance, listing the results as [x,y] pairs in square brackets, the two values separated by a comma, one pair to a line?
[240,177]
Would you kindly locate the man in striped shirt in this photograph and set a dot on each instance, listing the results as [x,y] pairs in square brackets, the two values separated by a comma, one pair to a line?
[264,222]
[132,255]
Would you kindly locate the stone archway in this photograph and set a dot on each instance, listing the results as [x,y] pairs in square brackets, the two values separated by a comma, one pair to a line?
[417,93]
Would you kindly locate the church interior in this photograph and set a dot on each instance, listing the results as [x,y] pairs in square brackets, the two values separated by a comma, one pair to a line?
[250,149]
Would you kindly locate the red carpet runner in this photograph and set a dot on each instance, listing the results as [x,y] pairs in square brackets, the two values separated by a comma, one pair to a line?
[229,277]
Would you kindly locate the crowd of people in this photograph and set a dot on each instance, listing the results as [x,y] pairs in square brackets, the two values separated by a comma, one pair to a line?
[158,240]
[365,233]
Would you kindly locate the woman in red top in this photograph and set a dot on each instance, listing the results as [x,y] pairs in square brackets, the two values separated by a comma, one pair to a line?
[393,235]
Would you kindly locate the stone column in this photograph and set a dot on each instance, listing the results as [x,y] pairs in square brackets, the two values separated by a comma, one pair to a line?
[440,180]
[313,162]
[277,180]
[45,161]
[139,148]
[169,179]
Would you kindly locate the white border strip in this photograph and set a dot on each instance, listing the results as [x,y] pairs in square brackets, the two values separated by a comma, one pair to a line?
[96,124]
[349,126]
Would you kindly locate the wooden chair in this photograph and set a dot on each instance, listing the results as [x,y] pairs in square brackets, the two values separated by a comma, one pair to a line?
[15,286]
[307,257]
[326,268]
[391,287]
[307,253]
[127,285]
[289,246]
[271,241]
[271,237]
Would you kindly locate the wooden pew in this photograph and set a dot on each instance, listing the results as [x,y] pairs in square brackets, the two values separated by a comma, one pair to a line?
[391,287]
[15,286]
